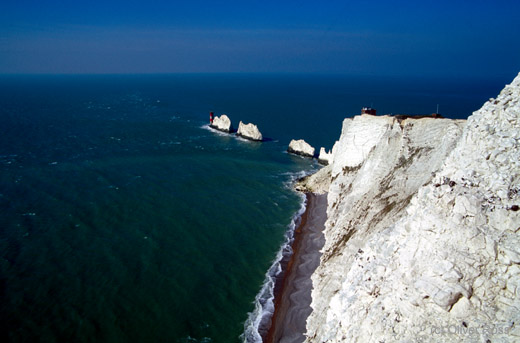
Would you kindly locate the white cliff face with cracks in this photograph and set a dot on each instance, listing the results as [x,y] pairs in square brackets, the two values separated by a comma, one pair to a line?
[414,257]
[222,123]
[249,131]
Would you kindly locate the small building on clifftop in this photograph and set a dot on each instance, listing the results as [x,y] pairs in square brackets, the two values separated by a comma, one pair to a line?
[368,110]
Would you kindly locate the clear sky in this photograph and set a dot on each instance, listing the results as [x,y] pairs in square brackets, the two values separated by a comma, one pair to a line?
[455,37]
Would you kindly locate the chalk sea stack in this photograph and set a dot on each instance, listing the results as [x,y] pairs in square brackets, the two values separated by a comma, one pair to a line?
[300,147]
[222,123]
[249,131]
[325,157]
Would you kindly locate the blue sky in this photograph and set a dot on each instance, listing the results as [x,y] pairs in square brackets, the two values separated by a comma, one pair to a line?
[460,38]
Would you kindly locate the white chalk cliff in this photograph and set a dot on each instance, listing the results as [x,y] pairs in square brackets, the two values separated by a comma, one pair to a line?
[423,230]
[222,123]
[249,131]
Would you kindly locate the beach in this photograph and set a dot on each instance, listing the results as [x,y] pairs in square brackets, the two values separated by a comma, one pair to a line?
[293,296]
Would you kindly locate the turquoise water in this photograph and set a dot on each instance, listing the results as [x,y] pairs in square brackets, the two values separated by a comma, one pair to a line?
[124,218]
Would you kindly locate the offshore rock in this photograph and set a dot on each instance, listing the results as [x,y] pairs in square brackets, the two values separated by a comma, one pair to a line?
[300,147]
[423,230]
[249,131]
[222,123]
[325,157]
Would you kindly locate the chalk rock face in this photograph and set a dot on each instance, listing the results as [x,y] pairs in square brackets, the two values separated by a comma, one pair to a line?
[317,183]
[423,230]
[325,157]
[300,147]
[222,123]
[249,131]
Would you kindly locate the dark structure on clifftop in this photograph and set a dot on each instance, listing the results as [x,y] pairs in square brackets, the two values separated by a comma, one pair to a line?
[368,110]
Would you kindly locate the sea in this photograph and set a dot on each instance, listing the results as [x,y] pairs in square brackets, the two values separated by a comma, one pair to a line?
[124,218]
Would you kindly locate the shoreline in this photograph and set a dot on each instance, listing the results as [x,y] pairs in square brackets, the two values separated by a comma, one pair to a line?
[292,296]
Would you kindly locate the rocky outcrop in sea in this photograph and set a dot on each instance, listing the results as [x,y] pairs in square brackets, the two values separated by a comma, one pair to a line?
[423,229]
[300,147]
[325,157]
[249,131]
[222,123]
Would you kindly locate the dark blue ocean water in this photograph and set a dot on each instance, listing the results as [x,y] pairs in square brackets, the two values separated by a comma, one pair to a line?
[124,219]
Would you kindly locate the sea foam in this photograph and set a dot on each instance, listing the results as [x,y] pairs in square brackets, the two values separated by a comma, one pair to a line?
[258,320]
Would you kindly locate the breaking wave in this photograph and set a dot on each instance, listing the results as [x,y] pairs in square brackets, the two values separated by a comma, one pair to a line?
[259,320]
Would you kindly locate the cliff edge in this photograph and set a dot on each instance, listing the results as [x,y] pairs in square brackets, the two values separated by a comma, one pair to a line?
[423,230]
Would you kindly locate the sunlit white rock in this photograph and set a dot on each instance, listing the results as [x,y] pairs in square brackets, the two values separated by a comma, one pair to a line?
[249,131]
[222,123]
[301,147]
[325,157]
[422,230]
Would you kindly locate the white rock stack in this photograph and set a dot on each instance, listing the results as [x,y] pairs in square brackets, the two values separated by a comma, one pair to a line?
[249,131]
[222,123]
[300,147]
[423,230]
[325,157]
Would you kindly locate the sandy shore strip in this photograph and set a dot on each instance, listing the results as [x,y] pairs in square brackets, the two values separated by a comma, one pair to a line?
[293,297]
